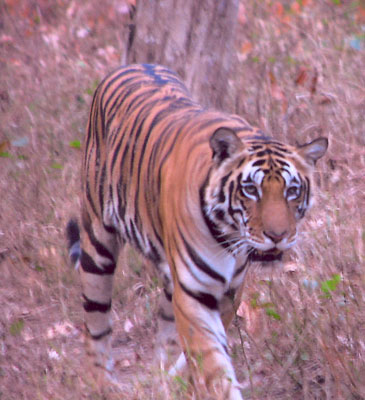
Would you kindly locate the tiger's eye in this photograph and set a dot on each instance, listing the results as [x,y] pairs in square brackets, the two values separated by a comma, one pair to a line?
[293,192]
[250,190]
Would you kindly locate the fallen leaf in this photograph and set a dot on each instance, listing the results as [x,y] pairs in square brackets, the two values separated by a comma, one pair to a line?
[278,9]
[295,7]
[246,48]
[4,146]
[324,99]
[301,77]
[314,81]
[360,15]
[277,93]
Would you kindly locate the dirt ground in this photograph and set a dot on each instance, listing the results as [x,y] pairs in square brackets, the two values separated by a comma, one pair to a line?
[299,333]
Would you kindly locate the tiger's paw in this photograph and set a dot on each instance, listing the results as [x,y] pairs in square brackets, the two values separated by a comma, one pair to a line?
[221,388]
[99,352]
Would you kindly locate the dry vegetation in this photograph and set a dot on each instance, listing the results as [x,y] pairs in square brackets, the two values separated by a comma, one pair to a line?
[300,332]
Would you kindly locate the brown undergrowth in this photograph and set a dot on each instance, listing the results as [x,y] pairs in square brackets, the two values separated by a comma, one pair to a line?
[299,333]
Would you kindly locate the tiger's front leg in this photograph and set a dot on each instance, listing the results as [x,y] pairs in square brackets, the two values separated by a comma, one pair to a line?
[204,343]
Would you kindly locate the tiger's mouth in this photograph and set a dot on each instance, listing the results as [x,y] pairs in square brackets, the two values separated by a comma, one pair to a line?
[266,256]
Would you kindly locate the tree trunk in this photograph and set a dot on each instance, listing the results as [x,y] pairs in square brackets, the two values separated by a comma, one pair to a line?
[195,38]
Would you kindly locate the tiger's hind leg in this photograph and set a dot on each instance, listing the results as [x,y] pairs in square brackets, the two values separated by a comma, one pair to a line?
[167,336]
[97,257]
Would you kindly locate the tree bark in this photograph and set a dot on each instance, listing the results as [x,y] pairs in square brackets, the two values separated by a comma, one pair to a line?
[193,37]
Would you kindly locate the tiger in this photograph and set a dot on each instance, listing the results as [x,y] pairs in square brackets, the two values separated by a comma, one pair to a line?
[199,193]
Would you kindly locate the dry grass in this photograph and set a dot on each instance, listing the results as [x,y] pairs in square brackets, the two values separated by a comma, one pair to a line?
[299,75]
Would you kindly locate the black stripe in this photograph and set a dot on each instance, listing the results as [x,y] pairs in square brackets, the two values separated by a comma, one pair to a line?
[219,214]
[135,240]
[256,147]
[122,87]
[124,136]
[88,136]
[89,197]
[100,335]
[113,77]
[241,162]
[94,130]
[282,162]
[174,130]
[212,123]
[153,255]
[200,263]
[135,133]
[150,127]
[92,306]
[110,229]
[248,179]
[164,316]
[263,153]
[121,190]
[72,232]
[217,234]
[100,187]
[88,265]
[277,153]
[232,211]
[167,295]
[136,105]
[258,163]
[206,299]
[142,157]
[245,128]
[305,191]
[240,269]
[99,247]
[308,189]
[132,106]
[230,293]
[157,235]
[222,196]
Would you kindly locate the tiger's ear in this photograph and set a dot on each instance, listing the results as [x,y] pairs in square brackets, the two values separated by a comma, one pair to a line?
[314,150]
[224,143]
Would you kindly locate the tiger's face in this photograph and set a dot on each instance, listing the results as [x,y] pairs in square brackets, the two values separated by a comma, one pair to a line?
[258,191]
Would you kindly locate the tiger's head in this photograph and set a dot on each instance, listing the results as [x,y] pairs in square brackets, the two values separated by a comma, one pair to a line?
[257,191]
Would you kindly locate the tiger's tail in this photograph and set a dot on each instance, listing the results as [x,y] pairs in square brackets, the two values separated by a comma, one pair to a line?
[74,244]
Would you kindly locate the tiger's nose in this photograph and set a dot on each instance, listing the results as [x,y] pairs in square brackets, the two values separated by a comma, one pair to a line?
[275,236]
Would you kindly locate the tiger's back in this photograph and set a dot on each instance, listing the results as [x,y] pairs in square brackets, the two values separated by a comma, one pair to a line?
[199,193]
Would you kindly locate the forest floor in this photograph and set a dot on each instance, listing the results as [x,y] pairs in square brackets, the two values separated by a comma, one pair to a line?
[300,331]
